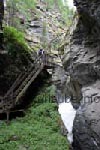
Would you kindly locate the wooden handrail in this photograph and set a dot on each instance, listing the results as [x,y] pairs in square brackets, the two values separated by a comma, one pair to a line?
[23,81]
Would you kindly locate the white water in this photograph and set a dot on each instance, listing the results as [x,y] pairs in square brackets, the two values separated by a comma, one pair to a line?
[5,3]
[68,114]
[69,3]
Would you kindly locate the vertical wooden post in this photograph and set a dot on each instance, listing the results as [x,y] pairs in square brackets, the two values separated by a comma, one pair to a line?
[8,114]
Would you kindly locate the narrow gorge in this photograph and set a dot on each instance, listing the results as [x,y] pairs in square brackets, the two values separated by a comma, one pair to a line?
[51,100]
[81,65]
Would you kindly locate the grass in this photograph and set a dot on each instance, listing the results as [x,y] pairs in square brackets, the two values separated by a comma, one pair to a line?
[38,130]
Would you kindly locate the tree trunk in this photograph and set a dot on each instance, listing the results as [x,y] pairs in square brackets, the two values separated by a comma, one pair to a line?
[1,20]
[1,12]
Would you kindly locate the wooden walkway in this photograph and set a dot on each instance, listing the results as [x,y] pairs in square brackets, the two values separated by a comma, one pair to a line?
[24,80]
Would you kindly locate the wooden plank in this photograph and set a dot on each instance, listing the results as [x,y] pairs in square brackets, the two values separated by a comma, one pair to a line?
[23,81]
[28,84]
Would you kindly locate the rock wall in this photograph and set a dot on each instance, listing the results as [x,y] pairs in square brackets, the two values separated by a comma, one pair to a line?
[44,25]
[82,63]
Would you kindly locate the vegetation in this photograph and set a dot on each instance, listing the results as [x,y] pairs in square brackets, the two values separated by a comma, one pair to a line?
[16,45]
[44,39]
[25,7]
[38,130]
[66,12]
[21,7]
[14,41]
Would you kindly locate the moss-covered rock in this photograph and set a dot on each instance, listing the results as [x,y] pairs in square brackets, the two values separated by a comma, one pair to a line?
[15,43]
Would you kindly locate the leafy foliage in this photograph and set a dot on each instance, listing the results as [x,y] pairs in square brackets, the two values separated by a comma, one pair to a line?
[38,130]
[15,43]
[66,12]
[21,6]
[19,11]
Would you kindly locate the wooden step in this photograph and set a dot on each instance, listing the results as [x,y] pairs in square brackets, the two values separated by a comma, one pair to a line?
[24,80]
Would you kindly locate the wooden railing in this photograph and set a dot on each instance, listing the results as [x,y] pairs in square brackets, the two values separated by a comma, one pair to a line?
[24,80]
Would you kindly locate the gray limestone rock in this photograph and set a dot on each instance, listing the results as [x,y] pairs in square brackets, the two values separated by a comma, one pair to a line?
[82,62]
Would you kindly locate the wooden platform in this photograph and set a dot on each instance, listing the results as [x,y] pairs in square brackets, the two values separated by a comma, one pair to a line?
[22,83]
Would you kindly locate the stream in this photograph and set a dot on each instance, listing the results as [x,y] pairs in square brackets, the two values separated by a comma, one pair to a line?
[68,114]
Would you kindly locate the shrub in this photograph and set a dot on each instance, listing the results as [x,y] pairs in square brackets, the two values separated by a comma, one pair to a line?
[15,43]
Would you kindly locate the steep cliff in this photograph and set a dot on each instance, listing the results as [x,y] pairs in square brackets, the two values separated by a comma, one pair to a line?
[82,63]
[40,26]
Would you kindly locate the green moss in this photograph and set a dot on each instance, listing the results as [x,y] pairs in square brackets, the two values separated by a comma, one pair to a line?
[15,40]
[38,130]
[15,44]
[37,47]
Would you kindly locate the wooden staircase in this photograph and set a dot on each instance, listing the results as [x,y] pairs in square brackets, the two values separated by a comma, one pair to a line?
[24,80]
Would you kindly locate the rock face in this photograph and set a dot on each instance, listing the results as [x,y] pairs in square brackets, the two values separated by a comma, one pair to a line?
[44,26]
[82,62]
[41,27]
